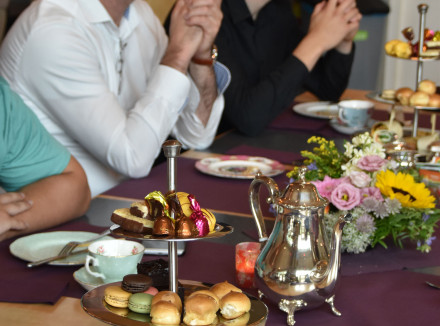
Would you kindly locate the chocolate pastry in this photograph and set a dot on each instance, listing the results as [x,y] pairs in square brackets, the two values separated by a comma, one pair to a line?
[132,223]
[163,226]
[186,227]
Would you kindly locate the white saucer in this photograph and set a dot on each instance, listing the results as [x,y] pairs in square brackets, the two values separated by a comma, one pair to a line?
[347,130]
[87,281]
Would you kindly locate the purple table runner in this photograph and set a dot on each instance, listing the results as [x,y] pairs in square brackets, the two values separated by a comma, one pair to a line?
[222,194]
[281,156]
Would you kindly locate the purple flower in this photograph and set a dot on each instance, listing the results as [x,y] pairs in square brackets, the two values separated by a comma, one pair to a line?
[345,196]
[429,241]
[365,223]
[312,166]
[371,163]
[371,192]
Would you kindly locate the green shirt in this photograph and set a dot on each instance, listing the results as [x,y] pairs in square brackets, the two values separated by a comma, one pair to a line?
[27,151]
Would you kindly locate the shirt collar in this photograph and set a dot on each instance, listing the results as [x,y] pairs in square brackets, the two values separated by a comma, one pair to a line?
[238,10]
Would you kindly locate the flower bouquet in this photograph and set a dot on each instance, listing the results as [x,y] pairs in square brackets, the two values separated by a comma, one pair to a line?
[384,199]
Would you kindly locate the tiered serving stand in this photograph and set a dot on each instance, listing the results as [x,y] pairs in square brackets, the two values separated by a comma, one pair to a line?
[420,59]
[93,302]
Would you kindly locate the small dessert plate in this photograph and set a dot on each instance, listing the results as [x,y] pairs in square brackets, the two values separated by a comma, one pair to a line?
[320,110]
[344,129]
[87,281]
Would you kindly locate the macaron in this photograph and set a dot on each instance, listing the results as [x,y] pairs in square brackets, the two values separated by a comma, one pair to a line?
[152,290]
[140,303]
[135,283]
[116,296]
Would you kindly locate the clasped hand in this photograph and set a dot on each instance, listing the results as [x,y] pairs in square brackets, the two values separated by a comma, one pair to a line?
[193,27]
[12,204]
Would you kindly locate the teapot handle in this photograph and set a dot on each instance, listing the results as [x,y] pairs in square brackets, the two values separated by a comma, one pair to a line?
[254,197]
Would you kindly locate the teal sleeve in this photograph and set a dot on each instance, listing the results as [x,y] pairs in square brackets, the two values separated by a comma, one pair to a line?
[27,151]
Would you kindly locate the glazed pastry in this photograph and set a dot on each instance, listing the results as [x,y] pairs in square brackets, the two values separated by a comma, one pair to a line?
[168,296]
[184,203]
[164,313]
[427,86]
[140,303]
[211,219]
[419,99]
[200,309]
[223,288]
[403,94]
[234,304]
[140,209]
[116,296]
[135,283]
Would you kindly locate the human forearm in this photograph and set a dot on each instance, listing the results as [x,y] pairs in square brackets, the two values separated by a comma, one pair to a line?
[55,200]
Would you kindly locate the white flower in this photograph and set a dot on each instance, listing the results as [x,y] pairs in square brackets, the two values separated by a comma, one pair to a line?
[381,210]
[359,179]
[393,206]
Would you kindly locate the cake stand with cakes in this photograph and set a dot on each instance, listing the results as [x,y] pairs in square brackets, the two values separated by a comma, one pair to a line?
[427,48]
[94,303]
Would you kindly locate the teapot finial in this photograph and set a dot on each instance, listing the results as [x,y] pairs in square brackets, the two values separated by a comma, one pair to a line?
[302,174]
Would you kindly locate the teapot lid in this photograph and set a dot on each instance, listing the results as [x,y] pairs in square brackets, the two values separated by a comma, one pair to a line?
[302,193]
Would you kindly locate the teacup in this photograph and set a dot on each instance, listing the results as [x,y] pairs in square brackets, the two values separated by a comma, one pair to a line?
[113,259]
[355,113]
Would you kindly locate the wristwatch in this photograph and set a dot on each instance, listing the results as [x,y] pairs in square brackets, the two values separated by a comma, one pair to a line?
[207,62]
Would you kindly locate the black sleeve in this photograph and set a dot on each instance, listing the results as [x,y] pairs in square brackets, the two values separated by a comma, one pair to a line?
[251,107]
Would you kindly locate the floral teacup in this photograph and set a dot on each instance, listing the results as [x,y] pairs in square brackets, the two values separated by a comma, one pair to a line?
[113,259]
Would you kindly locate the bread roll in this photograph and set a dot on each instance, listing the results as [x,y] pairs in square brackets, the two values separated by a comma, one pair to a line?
[427,86]
[403,50]
[223,288]
[234,304]
[168,296]
[434,100]
[419,99]
[206,292]
[164,313]
[200,309]
[403,94]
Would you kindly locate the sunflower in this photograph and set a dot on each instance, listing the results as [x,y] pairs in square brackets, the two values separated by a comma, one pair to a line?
[403,187]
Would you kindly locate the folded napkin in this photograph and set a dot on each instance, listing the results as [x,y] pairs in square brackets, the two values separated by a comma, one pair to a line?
[42,284]
[281,156]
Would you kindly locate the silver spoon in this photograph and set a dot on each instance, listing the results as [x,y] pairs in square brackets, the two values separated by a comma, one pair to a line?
[435,286]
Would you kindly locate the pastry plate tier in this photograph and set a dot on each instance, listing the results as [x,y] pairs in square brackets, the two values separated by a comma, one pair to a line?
[93,303]
[376,96]
[220,230]
[420,58]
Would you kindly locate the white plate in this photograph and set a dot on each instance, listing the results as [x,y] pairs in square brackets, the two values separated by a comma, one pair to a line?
[43,245]
[87,281]
[320,110]
[239,166]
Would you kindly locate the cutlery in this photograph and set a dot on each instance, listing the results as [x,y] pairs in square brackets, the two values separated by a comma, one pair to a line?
[435,286]
[68,249]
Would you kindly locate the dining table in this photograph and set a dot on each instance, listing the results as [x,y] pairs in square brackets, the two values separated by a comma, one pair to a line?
[378,287]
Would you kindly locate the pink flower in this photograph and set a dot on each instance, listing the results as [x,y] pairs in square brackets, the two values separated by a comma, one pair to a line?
[326,186]
[345,196]
[371,163]
[359,179]
[371,192]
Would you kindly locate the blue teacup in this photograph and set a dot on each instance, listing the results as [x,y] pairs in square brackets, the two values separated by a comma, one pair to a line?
[355,113]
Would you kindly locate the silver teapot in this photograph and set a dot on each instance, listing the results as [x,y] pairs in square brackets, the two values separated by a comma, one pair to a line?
[297,267]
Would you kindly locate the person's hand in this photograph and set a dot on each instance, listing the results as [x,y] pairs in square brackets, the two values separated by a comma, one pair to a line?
[207,15]
[11,204]
[334,22]
[184,39]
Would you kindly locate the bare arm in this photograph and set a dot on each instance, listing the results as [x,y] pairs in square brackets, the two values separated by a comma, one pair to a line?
[194,26]
[45,203]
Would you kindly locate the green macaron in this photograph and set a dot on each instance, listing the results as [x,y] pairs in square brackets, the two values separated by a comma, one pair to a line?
[140,303]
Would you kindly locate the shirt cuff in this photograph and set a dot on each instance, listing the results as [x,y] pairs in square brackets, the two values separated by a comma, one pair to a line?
[172,85]
[222,77]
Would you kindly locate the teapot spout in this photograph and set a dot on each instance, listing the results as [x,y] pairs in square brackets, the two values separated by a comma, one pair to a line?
[326,272]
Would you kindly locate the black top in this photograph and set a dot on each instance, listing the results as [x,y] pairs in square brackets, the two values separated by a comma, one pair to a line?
[265,76]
